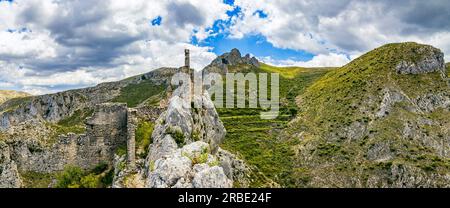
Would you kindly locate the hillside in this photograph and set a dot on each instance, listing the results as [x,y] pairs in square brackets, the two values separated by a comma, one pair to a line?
[9,94]
[257,140]
[380,121]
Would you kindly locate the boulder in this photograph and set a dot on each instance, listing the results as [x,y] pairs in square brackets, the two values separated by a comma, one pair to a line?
[189,167]
[9,175]
[428,59]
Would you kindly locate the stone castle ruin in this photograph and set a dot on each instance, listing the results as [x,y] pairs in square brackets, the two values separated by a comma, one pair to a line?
[183,139]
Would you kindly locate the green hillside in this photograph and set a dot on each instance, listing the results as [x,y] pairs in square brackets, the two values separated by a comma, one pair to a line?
[136,93]
[343,142]
[257,140]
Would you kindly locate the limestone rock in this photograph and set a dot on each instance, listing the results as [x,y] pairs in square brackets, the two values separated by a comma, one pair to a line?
[126,176]
[190,166]
[211,178]
[9,175]
[221,63]
[183,124]
[235,168]
[429,60]
[389,99]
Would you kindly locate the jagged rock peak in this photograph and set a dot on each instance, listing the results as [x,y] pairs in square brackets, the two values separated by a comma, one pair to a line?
[234,57]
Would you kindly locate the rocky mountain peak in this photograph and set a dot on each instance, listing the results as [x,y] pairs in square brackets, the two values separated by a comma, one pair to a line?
[232,58]
[235,52]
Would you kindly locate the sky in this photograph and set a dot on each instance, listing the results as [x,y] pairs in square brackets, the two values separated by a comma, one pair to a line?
[55,45]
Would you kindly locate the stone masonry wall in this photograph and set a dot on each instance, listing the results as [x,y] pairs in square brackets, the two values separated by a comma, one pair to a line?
[131,143]
[106,130]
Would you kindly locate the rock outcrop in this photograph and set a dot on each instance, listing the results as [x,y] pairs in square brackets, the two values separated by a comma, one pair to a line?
[185,151]
[192,166]
[9,175]
[426,59]
[220,64]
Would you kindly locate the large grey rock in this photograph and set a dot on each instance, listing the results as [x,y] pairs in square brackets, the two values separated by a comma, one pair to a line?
[167,172]
[390,97]
[9,175]
[235,168]
[429,58]
[211,178]
[430,102]
[233,58]
[186,123]
[190,166]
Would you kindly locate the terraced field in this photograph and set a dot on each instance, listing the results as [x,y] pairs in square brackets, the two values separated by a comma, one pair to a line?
[257,140]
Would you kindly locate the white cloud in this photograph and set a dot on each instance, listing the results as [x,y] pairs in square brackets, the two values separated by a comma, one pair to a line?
[69,44]
[349,26]
[24,45]
[321,60]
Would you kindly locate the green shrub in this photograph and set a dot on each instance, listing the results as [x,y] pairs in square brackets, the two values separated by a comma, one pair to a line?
[90,181]
[200,159]
[196,135]
[121,150]
[177,135]
[100,168]
[75,177]
[214,163]
[144,132]
[70,177]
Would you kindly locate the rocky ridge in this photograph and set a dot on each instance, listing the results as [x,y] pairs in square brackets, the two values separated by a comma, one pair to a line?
[233,58]
[185,150]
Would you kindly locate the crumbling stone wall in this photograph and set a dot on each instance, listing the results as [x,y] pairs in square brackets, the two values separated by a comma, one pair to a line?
[106,130]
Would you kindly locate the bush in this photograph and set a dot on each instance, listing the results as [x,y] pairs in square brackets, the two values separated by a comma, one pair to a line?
[144,132]
[178,136]
[70,177]
[75,177]
[90,181]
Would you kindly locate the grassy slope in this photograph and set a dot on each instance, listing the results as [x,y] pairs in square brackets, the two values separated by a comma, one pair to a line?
[256,140]
[135,94]
[71,124]
[10,94]
[351,95]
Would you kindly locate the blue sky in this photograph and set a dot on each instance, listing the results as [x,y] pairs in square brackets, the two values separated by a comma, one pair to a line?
[255,44]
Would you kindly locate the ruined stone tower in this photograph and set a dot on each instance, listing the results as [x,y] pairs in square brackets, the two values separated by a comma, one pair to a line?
[131,143]
[187,68]
[187,62]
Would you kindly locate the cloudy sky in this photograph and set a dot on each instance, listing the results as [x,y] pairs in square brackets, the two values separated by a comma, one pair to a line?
[52,45]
